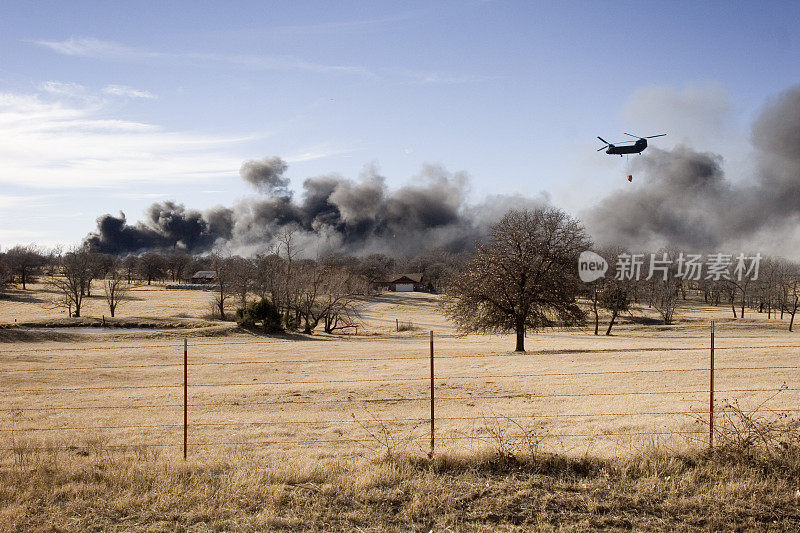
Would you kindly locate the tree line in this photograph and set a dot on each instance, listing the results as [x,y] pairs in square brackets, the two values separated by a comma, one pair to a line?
[304,293]
[524,276]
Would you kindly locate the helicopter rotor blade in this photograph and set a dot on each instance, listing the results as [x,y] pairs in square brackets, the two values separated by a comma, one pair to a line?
[636,136]
[659,135]
[603,148]
[603,140]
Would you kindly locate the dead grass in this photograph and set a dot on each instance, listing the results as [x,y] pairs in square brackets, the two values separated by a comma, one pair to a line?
[328,404]
[654,491]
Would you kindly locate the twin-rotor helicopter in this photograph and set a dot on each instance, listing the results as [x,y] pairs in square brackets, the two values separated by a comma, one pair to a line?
[627,147]
[618,148]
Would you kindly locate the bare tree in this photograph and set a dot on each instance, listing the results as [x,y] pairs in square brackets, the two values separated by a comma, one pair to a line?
[435,266]
[177,263]
[791,287]
[130,265]
[376,267]
[151,266]
[220,266]
[115,289]
[290,299]
[76,271]
[341,292]
[240,276]
[665,285]
[615,297]
[269,277]
[101,266]
[665,298]
[5,272]
[24,262]
[308,281]
[327,294]
[525,277]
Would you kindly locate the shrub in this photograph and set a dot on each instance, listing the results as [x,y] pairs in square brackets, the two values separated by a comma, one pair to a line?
[263,312]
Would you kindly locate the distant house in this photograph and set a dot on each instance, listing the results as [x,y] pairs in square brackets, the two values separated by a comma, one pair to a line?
[204,277]
[402,283]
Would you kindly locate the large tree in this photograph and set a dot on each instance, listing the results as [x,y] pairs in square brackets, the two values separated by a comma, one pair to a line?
[71,283]
[5,272]
[24,262]
[113,286]
[525,276]
[151,266]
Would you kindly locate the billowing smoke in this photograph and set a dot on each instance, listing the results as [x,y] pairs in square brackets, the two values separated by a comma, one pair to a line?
[682,197]
[167,225]
[333,214]
[266,175]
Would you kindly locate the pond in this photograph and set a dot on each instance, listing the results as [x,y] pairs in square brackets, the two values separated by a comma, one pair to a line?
[93,330]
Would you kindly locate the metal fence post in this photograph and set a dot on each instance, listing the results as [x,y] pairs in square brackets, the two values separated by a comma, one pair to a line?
[711,393]
[432,397]
[185,397]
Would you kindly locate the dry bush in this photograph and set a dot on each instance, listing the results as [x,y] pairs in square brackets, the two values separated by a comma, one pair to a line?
[407,326]
[759,435]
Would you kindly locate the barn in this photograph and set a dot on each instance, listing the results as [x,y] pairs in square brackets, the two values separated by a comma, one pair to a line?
[403,283]
[204,277]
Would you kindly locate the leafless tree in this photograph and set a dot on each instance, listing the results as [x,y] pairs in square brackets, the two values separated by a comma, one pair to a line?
[340,298]
[5,272]
[76,271]
[177,263]
[616,298]
[24,262]
[220,267]
[115,289]
[665,285]
[327,294]
[290,299]
[130,265]
[240,277]
[101,266]
[790,281]
[376,267]
[435,266]
[151,266]
[526,276]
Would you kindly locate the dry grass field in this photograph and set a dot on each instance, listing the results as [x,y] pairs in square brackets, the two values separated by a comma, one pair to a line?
[300,417]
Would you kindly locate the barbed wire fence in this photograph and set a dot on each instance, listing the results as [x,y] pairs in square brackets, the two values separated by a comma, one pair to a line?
[442,419]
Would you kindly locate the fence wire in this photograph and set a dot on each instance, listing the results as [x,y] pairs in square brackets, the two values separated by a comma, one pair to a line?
[18,426]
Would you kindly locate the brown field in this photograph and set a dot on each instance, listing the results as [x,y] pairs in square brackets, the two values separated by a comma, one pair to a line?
[73,397]
[351,394]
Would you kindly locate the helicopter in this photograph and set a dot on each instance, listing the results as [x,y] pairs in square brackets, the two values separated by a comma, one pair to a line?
[637,147]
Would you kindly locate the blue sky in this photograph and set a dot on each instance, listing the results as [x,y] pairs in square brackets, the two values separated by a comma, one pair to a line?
[109,106]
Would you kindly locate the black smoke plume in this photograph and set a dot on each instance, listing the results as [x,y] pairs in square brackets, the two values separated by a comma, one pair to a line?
[167,225]
[682,197]
[333,214]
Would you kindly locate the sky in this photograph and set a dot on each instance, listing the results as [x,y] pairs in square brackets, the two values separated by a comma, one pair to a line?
[110,106]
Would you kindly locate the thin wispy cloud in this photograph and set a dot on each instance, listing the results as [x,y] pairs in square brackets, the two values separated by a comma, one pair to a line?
[339,26]
[127,92]
[436,78]
[97,49]
[65,144]
[90,47]
[319,151]
[61,88]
